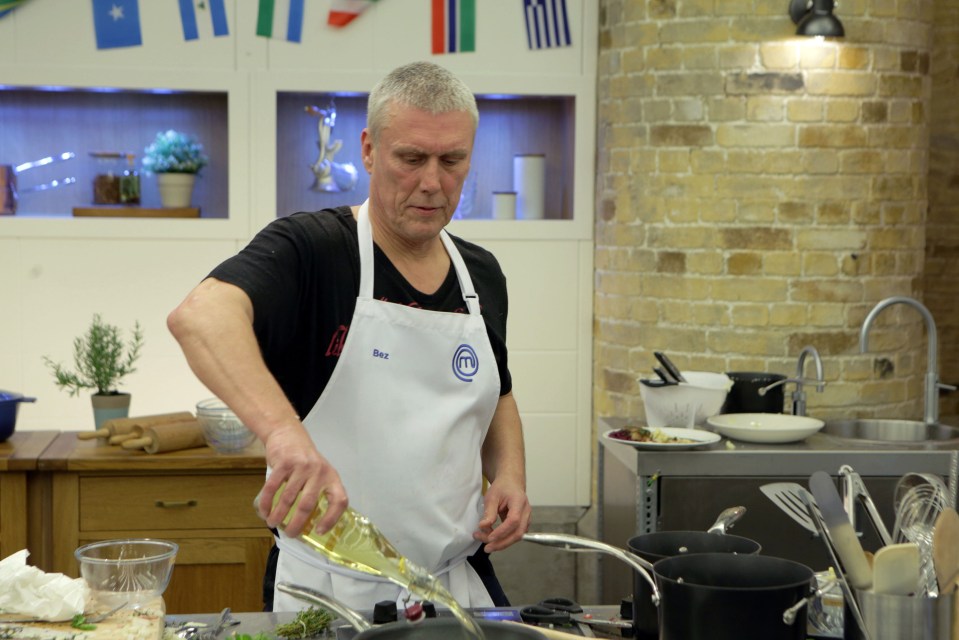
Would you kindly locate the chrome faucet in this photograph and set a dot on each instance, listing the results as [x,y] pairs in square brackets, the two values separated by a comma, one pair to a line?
[932,384]
[799,394]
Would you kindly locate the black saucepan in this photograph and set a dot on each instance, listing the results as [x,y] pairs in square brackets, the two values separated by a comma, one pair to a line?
[723,596]
[743,396]
[667,544]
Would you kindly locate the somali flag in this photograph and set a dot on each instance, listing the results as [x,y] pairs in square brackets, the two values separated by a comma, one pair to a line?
[547,24]
[117,23]
[217,12]
[279,11]
[454,26]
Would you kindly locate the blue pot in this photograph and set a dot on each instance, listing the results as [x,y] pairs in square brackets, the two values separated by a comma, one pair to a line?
[9,404]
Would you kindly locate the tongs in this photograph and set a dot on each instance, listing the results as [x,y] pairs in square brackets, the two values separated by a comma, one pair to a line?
[853,489]
[848,596]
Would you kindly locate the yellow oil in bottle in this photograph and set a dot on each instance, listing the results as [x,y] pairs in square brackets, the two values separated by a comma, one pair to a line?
[356,543]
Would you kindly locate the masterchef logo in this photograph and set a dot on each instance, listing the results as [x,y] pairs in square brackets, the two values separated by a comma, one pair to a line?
[465,363]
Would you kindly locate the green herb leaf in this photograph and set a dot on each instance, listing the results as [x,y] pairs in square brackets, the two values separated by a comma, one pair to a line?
[80,622]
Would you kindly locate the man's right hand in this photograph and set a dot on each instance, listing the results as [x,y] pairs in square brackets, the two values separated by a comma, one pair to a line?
[293,459]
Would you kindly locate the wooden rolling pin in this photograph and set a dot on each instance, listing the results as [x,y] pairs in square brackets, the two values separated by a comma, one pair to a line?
[160,438]
[122,426]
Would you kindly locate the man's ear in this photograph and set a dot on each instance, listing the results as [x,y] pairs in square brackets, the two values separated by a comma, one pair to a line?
[366,150]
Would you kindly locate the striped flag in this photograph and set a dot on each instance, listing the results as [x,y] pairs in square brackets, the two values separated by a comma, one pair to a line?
[343,12]
[6,6]
[117,23]
[454,26]
[275,11]
[547,24]
[218,22]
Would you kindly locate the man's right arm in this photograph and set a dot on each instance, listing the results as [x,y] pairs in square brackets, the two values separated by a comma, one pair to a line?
[214,327]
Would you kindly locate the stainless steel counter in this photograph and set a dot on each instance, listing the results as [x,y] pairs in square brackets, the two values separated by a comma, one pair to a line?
[644,491]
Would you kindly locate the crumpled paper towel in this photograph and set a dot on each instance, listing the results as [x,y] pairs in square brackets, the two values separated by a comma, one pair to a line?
[30,592]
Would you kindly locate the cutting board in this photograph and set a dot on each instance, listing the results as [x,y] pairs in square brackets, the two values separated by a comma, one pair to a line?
[126,624]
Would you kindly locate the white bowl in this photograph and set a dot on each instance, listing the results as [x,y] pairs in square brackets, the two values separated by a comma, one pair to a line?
[765,428]
[222,430]
[127,571]
[688,403]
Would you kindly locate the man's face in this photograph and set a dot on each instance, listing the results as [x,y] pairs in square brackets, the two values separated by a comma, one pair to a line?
[417,168]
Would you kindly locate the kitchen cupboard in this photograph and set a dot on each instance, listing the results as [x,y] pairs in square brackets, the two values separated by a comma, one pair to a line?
[197,498]
[19,510]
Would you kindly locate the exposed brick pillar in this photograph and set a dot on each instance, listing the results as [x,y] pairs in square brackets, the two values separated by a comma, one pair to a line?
[942,235]
[759,192]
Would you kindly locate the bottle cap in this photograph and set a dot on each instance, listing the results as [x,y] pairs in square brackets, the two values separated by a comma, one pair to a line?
[414,613]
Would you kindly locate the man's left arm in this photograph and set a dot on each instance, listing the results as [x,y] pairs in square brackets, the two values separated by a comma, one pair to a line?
[504,465]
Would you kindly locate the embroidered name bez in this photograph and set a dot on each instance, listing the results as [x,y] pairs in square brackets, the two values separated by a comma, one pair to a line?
[380,354]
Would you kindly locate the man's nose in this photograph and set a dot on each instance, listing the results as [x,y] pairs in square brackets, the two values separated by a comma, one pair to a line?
[430,176]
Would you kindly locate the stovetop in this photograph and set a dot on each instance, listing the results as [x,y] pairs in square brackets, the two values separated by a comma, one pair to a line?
[586,621]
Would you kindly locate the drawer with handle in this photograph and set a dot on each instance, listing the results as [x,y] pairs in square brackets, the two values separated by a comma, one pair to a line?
[149,503]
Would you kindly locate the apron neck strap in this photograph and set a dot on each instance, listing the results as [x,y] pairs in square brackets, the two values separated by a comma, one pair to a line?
[364,231]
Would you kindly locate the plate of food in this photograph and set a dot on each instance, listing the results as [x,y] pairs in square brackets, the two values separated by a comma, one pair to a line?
[661,437]
[765,428]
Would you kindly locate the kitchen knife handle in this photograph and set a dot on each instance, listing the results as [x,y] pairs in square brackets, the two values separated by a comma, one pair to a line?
[671,368]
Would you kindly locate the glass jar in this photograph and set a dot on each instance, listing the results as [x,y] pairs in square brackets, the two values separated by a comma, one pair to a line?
[106,181]
[130,183]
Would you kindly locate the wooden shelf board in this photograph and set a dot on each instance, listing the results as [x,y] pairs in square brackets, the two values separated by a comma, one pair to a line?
[135,212]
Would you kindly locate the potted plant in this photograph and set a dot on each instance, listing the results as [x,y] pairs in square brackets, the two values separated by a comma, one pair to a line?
[101,361]
[176,159]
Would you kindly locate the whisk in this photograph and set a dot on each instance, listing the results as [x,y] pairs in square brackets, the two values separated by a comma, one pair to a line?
[917,508]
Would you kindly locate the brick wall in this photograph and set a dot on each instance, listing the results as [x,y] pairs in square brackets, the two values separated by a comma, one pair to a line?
[759,192]
[941,280]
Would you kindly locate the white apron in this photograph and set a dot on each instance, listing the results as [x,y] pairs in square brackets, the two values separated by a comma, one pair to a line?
[402,419]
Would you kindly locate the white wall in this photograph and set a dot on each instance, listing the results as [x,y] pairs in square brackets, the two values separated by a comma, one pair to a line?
[55,273]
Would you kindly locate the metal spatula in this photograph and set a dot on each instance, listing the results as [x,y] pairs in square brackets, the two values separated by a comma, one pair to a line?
[788,496]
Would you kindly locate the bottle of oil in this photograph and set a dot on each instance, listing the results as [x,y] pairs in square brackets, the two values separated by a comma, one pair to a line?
[356,543]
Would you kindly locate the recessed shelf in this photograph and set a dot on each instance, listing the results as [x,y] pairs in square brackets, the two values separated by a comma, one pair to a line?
[509,126]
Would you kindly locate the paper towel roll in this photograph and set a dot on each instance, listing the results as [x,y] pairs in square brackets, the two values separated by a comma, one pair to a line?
[529,182]
[504,205]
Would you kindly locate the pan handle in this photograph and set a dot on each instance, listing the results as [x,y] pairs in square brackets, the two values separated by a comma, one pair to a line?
[578,543]
[789,615]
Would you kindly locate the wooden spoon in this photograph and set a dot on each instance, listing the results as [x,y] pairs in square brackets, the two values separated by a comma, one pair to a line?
[945,550]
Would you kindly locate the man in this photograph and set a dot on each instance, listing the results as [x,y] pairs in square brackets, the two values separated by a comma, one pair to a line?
[388,335]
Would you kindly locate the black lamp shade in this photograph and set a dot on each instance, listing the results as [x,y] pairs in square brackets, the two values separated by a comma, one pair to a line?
[816,21]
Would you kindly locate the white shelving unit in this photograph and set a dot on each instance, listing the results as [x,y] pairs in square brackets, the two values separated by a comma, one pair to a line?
[55,266]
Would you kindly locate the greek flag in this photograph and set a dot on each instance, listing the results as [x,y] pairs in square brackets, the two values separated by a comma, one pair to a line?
[218,22]
[547,24]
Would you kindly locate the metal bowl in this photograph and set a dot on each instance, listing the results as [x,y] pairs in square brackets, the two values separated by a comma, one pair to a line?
[127,571]
[222,430]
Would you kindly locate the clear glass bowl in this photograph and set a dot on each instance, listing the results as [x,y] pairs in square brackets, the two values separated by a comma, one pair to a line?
[128,571]
[222,429]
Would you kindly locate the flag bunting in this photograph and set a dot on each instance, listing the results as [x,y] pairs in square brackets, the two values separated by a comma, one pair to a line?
[270,10]
[117,23]
[547,24]
[343,12]
[454,26]
[188,11]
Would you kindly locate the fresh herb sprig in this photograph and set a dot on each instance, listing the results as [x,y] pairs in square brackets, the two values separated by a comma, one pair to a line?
[80,622]
[307,624]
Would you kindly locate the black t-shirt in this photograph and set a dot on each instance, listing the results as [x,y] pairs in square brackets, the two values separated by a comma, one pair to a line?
[302,273]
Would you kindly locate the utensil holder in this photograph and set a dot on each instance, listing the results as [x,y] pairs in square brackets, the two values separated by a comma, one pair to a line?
[889,617]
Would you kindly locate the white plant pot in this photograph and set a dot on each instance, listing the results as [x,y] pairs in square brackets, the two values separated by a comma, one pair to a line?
[176,189]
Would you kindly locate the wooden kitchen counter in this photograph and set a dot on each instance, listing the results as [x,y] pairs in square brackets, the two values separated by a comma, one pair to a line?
[18,461]
[198,498]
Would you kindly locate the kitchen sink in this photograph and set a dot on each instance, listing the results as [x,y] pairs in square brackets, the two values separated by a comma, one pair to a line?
[890,431]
